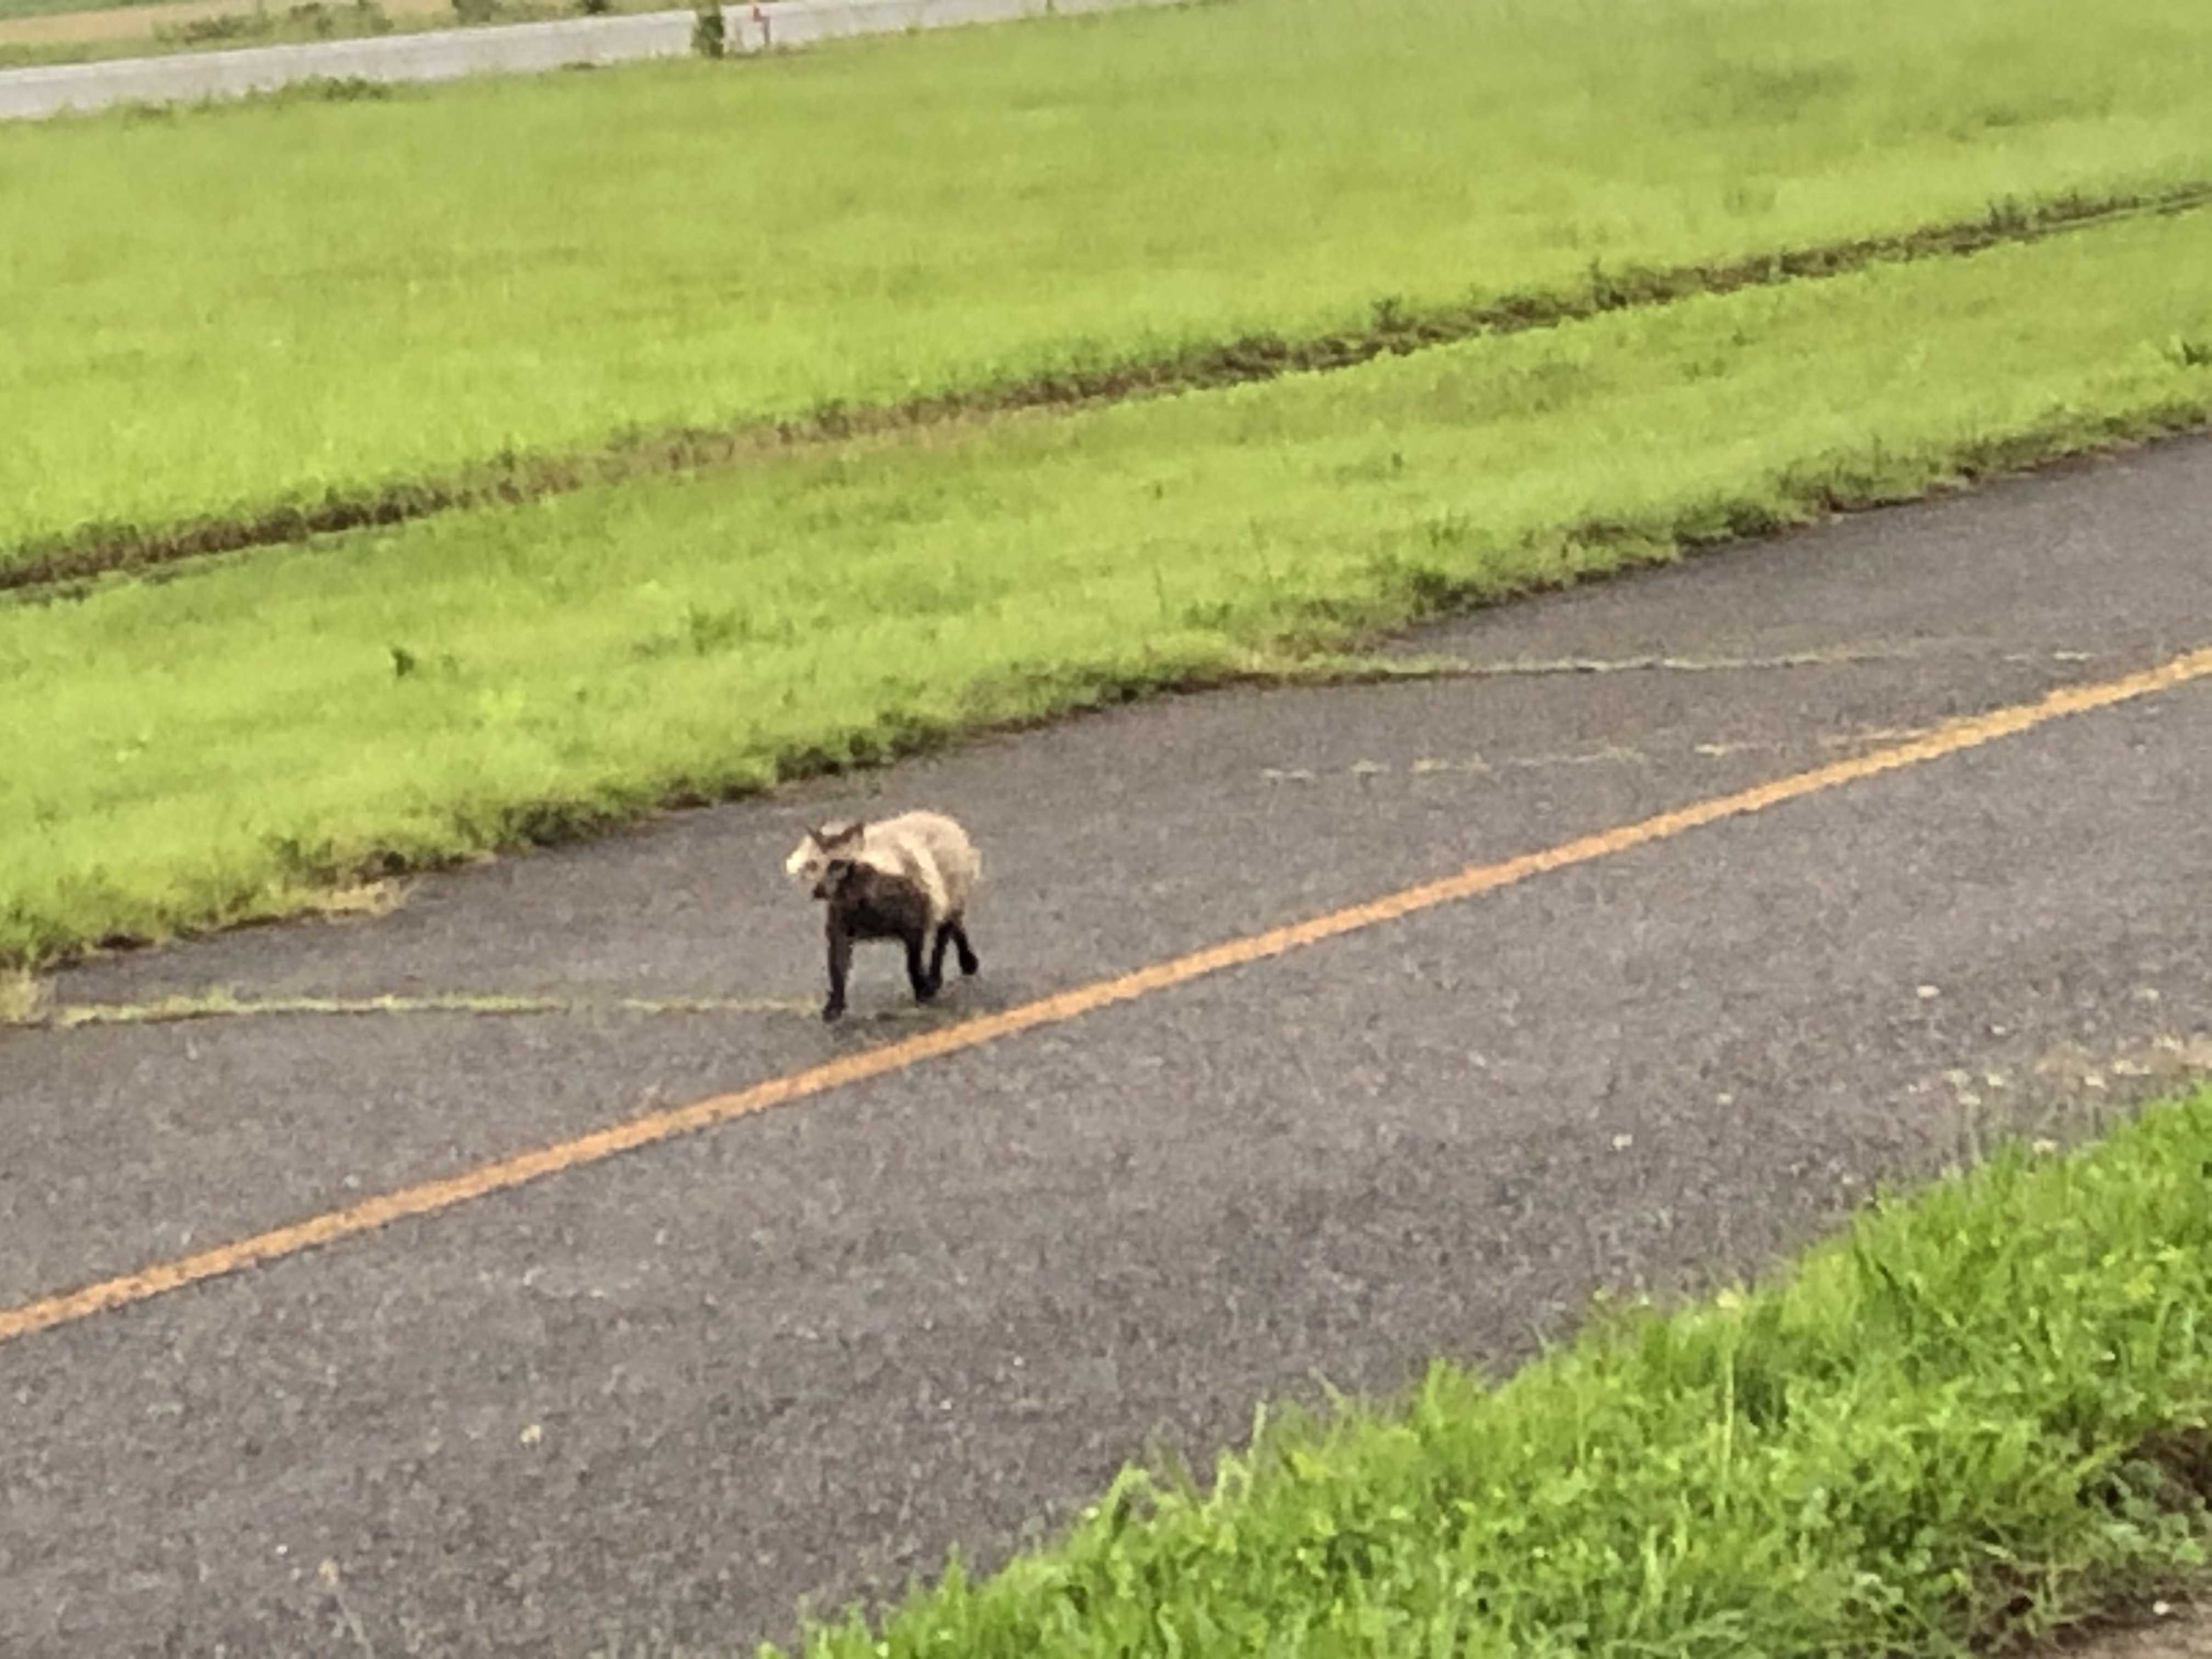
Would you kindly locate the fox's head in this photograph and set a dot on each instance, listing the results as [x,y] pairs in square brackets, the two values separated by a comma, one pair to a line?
[822,861]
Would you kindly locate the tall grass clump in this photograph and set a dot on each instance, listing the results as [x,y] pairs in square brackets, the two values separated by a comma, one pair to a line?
[1983,1413]
[229,309]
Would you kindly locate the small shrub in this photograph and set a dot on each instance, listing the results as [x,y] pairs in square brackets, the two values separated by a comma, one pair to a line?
[228,26]
[352,88]
[709,35]
[323,89]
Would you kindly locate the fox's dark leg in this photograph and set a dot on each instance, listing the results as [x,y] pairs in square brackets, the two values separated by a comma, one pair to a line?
[841,963]
[969,960]
[924,982]
[937,953]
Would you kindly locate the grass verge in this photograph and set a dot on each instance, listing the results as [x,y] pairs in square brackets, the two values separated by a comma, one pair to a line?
[202,321]
[1983,1413]
[234,742]
[100,549]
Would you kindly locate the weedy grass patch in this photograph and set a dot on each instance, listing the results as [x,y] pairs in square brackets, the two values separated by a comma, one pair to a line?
[218,311]
[1983,1413]
[14,10]
[39,33]
[229,743]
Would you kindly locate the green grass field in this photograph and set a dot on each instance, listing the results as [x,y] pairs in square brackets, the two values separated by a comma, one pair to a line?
[216,746]
[214,311]
[1980,1416]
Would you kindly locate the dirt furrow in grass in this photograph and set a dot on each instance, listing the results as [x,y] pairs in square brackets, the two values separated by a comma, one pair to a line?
[63,564]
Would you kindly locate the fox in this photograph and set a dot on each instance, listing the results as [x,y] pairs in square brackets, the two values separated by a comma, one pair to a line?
[907,879]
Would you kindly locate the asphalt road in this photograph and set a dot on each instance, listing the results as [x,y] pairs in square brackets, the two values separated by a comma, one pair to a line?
[505,49]
[653,1402]
[2170,1630]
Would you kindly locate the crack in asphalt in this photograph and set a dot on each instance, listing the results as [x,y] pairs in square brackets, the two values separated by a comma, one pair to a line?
[1447,667]
[222,1004]
[1477,764]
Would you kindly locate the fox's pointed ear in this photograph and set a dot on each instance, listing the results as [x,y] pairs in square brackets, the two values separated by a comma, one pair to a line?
[836,835]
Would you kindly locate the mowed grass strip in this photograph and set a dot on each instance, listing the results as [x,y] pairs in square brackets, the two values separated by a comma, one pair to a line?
[1978,1416]
[228,744]
[214,313]
[97,550]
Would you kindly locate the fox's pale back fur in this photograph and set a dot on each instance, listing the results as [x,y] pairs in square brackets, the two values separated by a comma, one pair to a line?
[909,878]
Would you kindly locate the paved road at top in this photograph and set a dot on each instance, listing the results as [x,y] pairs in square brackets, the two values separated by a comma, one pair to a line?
[662,1397]
[506,49]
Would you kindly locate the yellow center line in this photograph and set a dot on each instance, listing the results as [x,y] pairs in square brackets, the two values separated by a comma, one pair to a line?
[432,1197]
